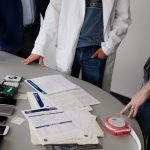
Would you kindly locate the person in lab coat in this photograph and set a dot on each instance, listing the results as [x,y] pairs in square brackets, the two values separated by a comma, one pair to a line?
[85,35]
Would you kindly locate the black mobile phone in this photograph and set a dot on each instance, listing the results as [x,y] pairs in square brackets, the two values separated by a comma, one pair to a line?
[4,129]
[8,101]
[5,110]
[3,119]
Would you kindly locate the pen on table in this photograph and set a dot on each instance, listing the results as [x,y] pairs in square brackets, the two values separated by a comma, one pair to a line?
[38,99]
[39,110]
[36,87]
[58,123]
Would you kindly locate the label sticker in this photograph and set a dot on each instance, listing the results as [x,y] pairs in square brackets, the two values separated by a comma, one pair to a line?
[17,120]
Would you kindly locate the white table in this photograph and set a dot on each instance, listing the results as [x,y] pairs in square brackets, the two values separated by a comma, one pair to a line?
[18,137]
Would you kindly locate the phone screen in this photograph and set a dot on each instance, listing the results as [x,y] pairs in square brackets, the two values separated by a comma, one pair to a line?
[3,119]
[2,129]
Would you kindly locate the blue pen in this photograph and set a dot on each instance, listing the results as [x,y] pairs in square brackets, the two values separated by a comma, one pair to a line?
[63,122]
[36,87]
[47,114]
[38,99]
[39,110]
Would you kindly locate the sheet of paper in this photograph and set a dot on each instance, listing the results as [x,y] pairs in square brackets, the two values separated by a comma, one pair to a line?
[52,125]
[85,120]
[51,84]
[69,100]
[84,97]
[81,141]
[37,100]
[64,101]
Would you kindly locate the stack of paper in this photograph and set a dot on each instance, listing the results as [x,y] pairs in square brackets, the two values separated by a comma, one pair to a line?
[52,125]
[79,125]
[86,131]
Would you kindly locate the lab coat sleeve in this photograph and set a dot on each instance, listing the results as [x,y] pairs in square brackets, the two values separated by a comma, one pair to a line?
[48,29]
[118,28]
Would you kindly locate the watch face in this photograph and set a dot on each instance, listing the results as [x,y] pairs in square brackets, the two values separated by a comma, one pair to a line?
[116,122]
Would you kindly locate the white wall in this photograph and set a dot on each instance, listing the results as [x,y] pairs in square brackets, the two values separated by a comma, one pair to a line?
[133,52]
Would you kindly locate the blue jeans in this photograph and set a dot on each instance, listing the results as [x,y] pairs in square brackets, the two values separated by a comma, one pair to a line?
[143,118]
[92,68]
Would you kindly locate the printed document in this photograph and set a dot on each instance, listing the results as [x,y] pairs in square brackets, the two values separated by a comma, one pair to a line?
[51,84]
[70,100]
[52,125]
[93,139]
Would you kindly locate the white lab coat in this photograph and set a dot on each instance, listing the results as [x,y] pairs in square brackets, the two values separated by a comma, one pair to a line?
[63,22]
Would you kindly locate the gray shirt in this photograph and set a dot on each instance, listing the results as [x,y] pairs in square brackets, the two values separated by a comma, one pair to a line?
[28,11]
[92,29]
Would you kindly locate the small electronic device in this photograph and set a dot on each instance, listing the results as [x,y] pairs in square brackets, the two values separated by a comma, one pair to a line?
[7,91]
[6,110]
[116,126]
[3,119]
[8,101]
[13,84]
[4,129]
[13,78]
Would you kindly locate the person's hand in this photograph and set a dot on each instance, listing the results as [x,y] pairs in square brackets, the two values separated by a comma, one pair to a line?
[137,100]
[34,57]
[100,54]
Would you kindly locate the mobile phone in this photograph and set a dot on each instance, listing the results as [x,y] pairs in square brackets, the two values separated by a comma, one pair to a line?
[6,110]
[3,119]
[8,101]
[4,129]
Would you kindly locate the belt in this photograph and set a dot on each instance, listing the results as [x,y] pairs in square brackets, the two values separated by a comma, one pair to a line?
[29,26]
